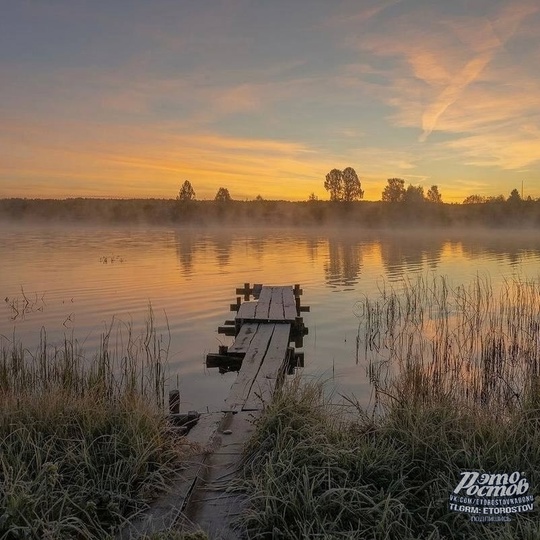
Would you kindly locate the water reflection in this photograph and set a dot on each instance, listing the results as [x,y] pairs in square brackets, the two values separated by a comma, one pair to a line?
[404,254]
[342,257]
[186,246]
[344,263]
[504,246]
[223,245]
[176,271]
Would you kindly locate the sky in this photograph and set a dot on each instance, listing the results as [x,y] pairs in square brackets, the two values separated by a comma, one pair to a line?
[130,98]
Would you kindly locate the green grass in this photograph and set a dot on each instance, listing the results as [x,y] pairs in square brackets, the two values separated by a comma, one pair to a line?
[455,373]
[83,441]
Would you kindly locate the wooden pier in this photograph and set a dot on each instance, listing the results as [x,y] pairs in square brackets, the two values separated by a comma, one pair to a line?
[267,321]
[264,328]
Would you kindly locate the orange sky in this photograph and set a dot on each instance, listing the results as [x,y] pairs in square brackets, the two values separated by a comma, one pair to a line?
[266,98]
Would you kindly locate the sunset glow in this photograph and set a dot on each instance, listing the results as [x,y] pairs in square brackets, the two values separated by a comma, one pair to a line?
[129,99]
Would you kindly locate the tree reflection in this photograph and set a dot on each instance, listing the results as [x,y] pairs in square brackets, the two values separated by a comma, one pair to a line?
[403,254]
[344,264]
[507,246]
[185,249]
[223,244]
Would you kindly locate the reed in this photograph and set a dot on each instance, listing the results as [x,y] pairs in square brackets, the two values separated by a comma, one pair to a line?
[469,344]
[84,442]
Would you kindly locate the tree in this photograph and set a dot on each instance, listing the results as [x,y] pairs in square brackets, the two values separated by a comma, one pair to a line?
[413,195]
[223,195]
[187,193]
[334,184]
[496,199]
[474,199]
[433,195]
[394,191]
[313,197]
[343,185]
[352,189]
[515,197]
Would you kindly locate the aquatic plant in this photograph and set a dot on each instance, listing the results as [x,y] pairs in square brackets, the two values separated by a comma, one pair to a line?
[468,344]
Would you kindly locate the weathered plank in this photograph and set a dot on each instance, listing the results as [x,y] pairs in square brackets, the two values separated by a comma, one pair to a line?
[212,506]
[275,311]
[264,384]
[263,304]
[166,511]
[275,304]
[246,311]
[250,367]
[289,304]
[243,339]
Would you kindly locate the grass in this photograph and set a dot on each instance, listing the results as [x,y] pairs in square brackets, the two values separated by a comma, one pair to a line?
[84,442]
[457,389]
[311,474]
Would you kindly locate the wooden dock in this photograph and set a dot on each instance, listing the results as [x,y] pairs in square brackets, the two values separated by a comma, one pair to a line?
[266,322]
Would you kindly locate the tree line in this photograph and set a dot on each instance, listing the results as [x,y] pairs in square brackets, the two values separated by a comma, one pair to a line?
[345,186]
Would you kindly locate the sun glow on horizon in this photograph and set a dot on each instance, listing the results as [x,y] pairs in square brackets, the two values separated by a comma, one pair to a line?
[433,95]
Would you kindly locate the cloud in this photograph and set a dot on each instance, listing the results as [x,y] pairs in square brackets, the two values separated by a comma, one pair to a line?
[484,38]
[471,78]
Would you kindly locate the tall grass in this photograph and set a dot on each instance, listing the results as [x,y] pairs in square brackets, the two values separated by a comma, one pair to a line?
[83,441]
[312,473]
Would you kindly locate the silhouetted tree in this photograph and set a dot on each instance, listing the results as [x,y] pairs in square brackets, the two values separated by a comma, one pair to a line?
[515,197]
[313,197]
[498,198]
[413,195]
[222,195]
[474,199]
[259,198]
[394,191]
[343,185]
[334,184]
[187,193]
[433,195]
[352,190]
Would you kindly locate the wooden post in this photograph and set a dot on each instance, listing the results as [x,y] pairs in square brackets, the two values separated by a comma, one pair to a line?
[174,401]
[236,307]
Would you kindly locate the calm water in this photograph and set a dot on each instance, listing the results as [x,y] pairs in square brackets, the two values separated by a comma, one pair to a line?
[77,279]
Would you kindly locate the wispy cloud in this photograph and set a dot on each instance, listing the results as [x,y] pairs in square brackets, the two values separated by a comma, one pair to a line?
[469,77]
[484,38]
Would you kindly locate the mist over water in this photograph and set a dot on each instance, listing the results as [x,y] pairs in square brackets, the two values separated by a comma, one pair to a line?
[73,281]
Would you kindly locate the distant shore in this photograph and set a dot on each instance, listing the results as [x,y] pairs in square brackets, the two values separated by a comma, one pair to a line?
[364,214]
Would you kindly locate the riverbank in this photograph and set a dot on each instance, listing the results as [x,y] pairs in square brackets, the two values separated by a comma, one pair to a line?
[312,472]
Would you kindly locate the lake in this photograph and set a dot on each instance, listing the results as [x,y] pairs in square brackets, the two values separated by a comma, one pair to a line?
[71,281]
